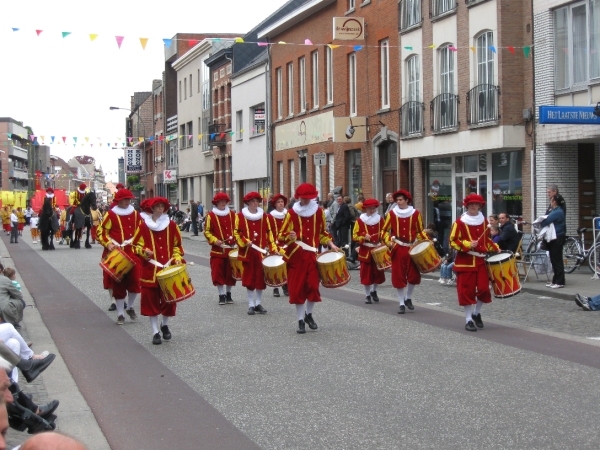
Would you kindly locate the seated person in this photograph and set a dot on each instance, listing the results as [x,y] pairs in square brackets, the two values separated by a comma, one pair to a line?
[588,303]
[446,268]
[509,236]
[13,340]
[495,232]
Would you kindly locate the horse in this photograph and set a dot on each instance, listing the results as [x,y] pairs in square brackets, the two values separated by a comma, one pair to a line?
[80,217]
[45,224]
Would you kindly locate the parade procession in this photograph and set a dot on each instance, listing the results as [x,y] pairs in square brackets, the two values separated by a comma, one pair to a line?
[328,224]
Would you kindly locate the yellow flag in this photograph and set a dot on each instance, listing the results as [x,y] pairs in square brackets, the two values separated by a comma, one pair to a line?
[239,39]
[87,139]
[281,42]
[140,139]
[93,37]
[431,46]
[332,46]
[472,49]
[143,41]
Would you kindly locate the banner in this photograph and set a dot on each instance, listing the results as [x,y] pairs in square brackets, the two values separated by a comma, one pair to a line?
[133,160]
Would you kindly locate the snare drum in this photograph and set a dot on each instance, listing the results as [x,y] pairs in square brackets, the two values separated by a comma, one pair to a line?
[382,257]
[275,270]
[175,283]
[502,269]
[117,264]
[425,256]
[237,267]
[333,270]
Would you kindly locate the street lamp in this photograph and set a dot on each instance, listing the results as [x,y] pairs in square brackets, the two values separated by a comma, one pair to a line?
[139,121]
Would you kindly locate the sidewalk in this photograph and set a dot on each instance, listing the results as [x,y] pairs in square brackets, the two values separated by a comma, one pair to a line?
[74,415]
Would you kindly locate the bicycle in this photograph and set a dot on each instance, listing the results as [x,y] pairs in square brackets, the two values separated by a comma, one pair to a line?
[575,253]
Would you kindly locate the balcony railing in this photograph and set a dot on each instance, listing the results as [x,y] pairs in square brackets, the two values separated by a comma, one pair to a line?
[216,134]
[441,7]
[444,113]
[412,119]
[482,104]
[410,14]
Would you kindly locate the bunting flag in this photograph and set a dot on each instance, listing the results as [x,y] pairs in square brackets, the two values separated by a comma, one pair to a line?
[493,49]
[52,137]
[262,44]
[332,46]
[93,37]
[15,29]
[526,51]
[452,48]
[281,42]
[432,46]
[119,40]
[65,34]
[511,49]
[39,32]
[64,138]
[143,41]
[167,42]
[239,40]
[472,49]
[357,48]
[192,42]
[408,48]
[307,42]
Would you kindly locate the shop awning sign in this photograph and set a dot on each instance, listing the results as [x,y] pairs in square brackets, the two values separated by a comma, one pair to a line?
[169,176]
[569,115]
[133,160]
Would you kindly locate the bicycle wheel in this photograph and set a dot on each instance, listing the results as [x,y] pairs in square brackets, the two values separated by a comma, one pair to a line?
[531,248]
[594,259]
[571,255]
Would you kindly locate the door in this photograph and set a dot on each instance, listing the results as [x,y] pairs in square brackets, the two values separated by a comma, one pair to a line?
[470,183]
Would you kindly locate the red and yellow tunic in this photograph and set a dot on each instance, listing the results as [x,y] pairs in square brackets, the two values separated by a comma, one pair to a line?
[75,197]
[406,226]
[276,221]
[121,229]
[253,229]
[220,228]
[469,263]
[6,225]
[303,276]
[20,219]
[369,273]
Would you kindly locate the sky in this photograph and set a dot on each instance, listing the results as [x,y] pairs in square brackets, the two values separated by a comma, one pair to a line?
[64,86]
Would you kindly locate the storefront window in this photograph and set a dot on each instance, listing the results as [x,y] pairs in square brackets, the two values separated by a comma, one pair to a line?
[507,187]
[439,197]
[353,163]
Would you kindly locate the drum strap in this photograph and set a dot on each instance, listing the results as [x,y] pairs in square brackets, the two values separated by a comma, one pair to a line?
[369,244]
[479,255]
[127,242]
[404,244]
[306,246]
[157,264]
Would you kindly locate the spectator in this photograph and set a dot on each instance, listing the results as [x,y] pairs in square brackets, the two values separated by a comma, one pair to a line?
[187,221]
[555,246]
[11,302]
[330,199]
[446,268]
[389,200]
[493,219]
[194,217]
[495,233]
[52,440]
[14,227]
[509,236]
[33,227]
[342,222]
[28,214]
[552,191]
[327,215]
[333,208]
[200,210]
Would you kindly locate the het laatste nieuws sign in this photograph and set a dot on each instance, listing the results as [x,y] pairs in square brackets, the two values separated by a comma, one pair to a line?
[568,115]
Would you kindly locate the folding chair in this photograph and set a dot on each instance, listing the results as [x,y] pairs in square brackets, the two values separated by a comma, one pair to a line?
[533,260]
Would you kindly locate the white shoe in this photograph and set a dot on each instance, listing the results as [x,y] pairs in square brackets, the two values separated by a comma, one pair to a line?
[442,281]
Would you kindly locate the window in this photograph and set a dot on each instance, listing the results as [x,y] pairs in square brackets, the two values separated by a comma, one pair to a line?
[216,76]
[315,79]
[238,125]
[351,5]
[485,58]
[412,109]
[292,177]
[331,171]
[446,70]
[353,163]
[280,172]
[173,159]
[439,7]
[205,87]
[384,56]
[191,86]
[507,187]
[329,73]
[228,69]
[199,133]
[290,80]
[205,135]
[179,91]
[279,93]
[302,68]
[410,13]
[182,136]
[185,88]
[413,79]
[199,81]
[577,49]
[221,72]
[258,119]
[352,83]
[184,190]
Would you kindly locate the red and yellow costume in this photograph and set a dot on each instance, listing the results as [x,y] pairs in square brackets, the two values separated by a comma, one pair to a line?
[406,227]
[21,219]
[308,222]
[472,281]
[6,225]
[219,227]
[76,196]
[119,227]
[372,226]
[50,194]
[253,229]
[164,240]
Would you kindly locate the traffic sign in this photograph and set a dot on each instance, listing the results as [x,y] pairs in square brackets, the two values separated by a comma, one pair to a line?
[320,159]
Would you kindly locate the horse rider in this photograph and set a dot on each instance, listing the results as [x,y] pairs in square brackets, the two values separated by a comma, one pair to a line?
[76,196]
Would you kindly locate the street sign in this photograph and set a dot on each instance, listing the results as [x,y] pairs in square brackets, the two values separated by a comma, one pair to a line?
[320,159]
[169,176]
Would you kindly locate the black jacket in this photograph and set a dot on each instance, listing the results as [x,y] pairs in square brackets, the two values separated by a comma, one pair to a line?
[194,212]
[342,218]
[509,237]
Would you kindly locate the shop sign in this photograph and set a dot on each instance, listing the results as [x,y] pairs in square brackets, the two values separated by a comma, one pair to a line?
[569,115]
[349,28]
[169,176]
[133,160]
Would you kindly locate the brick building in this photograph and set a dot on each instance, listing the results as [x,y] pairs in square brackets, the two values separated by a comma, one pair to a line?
[319,92]
[567,61]
[466,90]
[15,155]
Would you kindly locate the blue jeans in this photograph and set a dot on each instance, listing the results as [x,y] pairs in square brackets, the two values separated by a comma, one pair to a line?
[594,303]
[446,270]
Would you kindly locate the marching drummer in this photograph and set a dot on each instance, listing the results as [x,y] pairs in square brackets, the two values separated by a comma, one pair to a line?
[218,231]
[367,231]
[303,230]
[402,228]
[276,217]
[253,235]
[118,229]
[469,236]
[159,243]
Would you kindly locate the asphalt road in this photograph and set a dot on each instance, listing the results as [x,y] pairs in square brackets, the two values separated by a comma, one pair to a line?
[368,378]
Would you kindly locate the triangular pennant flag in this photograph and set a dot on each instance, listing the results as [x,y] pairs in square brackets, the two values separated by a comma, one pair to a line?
[52,137]
[216,39]
[9,135]
[431,46]
[74,145]
[91,145]
[307,42]
[242,130]
[143,41]
[231,133]
[452,48]
[43,138]
[357,48]
[192,42]
[64,138]
[493,49]
[140,139]
[39,32]
[93,37]
[162,138]
[15,29]
[151,138]
[212,135]
[108,144]
[75,139]
[332,46]
[65,34]
[199,136]
[408,48]
[239,40]
[31,137]
[87,139]
[262,44]
[129,139]
[472,49]
[119,42]
[526,51]
[222,135]
[167,42]
[281,42]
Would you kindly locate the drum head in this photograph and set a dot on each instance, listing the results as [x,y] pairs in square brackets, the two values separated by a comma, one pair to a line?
[329,257]
[420,247]
[170,270]
[273,261]
[233,254]
[500,257]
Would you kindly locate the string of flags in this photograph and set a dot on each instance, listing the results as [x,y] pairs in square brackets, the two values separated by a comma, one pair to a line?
[307,42]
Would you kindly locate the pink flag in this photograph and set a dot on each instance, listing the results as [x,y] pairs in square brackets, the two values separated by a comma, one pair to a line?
[119,40]
[39,32]
[64,139]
